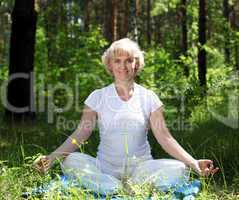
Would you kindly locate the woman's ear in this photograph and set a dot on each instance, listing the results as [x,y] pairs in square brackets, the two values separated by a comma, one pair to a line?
[109,66]
[136,65]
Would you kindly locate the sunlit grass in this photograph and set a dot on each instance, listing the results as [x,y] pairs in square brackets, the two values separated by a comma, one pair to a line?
[21,145]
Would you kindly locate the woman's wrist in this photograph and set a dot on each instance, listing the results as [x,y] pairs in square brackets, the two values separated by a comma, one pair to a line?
[193,162]
[56,154]
[195,166]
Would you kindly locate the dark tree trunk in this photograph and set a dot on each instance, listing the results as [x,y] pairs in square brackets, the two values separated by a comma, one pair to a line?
[2,41]
[202,68]
[116,19]
[184,40]
[109,20]
[158,34]
[86,15]
[20,96]
[234,20]
[237,57]
[55,22]
[148,22]
[123,23]
[51,21]
[98,8]
[137,13]
[226,12]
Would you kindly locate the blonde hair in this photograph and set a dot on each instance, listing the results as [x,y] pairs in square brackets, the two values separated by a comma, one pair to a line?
[122,47]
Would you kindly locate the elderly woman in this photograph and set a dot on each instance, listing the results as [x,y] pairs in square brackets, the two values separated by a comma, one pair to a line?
[124,111]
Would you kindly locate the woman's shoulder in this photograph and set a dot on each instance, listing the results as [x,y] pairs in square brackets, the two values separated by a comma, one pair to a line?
[100,91]
[144,89]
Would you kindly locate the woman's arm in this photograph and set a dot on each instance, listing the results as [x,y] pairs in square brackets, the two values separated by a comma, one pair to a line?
[81,134]
[171,146]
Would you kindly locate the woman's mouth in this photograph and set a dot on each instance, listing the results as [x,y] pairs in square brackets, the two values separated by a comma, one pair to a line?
[124,71]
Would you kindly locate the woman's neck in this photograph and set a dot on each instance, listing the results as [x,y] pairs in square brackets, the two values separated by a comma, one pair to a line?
[124,89]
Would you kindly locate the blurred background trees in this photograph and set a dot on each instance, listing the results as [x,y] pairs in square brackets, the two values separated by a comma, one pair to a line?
[190,45]
[191,50]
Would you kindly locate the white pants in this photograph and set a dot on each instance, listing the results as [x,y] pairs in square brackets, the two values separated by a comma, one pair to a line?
[162,173]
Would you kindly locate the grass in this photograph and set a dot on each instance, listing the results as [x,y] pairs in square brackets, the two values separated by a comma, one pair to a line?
[21,144]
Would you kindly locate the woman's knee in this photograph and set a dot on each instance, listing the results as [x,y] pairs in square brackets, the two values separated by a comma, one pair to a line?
[78,160]
[160,168]
[175,165]
[170,163]
[72,160]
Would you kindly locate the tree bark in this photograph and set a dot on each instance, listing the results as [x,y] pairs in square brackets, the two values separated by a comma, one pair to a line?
[137,13]
[20,103]
[2,41]
[109,20]
[157,32]
[234,20]
[148,22]
[116,24]
[184,41]
[202,68]
[226,12]
[123,23]
[86,15]
[51,23]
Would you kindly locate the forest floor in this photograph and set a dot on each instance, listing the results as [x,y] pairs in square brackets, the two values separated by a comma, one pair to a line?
[21,144]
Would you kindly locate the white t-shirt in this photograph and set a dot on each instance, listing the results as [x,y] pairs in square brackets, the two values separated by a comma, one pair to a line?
[123,125]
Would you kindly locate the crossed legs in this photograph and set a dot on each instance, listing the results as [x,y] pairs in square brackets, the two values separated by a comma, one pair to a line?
[162,173]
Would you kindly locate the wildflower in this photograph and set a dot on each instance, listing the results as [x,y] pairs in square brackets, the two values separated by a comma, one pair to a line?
[74,141]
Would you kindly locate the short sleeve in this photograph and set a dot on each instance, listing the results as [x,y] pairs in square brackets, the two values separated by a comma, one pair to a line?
[154,101]
[94,100]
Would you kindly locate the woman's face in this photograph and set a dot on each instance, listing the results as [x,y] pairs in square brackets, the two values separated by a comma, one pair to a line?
[123,67]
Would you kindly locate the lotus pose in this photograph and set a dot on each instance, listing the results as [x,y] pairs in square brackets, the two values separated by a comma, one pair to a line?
[124,111]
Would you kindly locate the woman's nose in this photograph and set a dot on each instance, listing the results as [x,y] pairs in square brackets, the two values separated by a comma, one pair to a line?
[123,65]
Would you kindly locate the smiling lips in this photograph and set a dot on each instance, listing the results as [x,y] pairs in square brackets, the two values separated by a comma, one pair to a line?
[124,71]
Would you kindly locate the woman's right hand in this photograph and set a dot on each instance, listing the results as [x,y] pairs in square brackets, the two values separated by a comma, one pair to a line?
[44,163]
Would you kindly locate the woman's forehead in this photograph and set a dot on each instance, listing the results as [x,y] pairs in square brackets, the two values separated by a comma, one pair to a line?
[123,52]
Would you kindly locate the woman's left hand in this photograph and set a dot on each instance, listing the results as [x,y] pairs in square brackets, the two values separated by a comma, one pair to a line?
[205,167]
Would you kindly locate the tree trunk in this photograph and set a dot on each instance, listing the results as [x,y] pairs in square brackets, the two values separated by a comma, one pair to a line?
[5,12]
[116,19]
[148,22]
[202,69]
[227,33]
[184,41]
[123,23]
[20,96]
[51,21]
[234,19]
[137,12]
[2,41]
[237,56]
[86,15]
[109,20]
[158,34]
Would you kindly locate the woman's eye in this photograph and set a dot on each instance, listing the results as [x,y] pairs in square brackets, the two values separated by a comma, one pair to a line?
[117,61]
[130,60]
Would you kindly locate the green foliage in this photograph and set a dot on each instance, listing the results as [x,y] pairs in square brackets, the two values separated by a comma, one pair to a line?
[161,7]
[65,54]
[83,71]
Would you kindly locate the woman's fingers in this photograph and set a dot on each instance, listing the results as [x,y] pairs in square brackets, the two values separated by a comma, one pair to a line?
[42,164]
[37,168]
[207,167]
[45,162]
[215,170]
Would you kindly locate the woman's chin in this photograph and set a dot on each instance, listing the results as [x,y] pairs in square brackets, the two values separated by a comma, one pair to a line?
[124,79]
